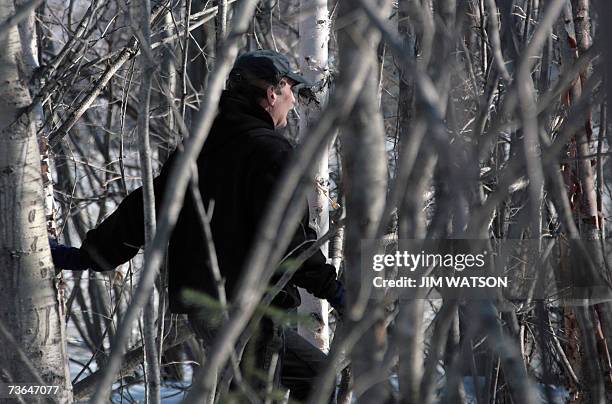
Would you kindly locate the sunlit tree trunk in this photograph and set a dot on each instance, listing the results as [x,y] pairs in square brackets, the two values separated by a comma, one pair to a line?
[30,309]
[313,59]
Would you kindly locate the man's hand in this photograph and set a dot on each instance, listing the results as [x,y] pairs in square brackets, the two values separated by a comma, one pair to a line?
[337,301]
[66,257]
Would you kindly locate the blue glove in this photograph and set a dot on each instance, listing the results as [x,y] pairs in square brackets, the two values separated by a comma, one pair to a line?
[66,257]
[337,301]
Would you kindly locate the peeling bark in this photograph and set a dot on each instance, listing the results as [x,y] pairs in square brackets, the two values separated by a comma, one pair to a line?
[314,36]
[29,302]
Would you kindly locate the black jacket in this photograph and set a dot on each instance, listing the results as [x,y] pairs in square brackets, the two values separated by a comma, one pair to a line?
[241,161]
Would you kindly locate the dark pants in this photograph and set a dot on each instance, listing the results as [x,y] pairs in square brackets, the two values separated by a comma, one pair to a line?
[299,360]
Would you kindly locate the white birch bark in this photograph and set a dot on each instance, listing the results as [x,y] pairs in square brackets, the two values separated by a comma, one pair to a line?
[313,60]
[29,49]
[29,304]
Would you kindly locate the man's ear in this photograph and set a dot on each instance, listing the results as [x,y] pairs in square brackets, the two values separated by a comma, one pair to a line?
[271,96]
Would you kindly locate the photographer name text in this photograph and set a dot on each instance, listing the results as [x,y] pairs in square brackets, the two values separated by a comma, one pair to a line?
[442,281]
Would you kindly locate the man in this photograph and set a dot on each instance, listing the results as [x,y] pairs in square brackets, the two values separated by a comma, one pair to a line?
[240,163]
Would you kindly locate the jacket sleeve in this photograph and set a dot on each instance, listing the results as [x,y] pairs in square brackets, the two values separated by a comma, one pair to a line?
[121,235]
[315,275]
[269,161]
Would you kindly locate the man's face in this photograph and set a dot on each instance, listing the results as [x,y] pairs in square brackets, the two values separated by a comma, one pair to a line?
[279,104]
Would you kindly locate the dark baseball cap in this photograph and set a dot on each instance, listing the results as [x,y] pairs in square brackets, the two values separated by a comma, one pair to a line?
[266,65]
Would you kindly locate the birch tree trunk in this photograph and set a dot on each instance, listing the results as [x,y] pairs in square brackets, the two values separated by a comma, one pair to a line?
[30,308]
[589,217]
[365,184]
[313,59]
